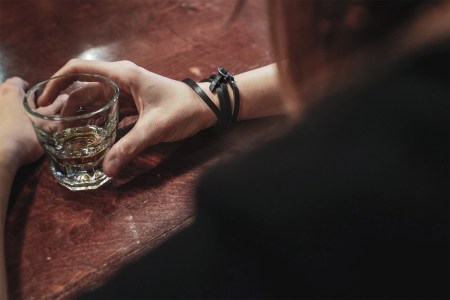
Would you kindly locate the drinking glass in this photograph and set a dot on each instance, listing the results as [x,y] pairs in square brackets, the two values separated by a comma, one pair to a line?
[75,119]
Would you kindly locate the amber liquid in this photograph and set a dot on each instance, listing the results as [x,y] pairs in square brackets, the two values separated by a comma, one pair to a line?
[76,155]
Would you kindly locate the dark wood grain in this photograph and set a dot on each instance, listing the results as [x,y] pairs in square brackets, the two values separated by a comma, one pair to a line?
[60,242]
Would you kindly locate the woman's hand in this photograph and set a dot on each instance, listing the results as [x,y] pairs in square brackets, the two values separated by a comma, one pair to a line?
[18,141]
[168,109]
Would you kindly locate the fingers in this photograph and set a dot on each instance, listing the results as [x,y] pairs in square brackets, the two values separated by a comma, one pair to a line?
[58,85]
[119,72]
[144,134]
[87,98]
[53,88]
[128,148]
[16,131]
[55,108]
[13,88]
[85,66]
[17,82]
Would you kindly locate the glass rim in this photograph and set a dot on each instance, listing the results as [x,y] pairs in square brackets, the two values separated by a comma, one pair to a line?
[72,118]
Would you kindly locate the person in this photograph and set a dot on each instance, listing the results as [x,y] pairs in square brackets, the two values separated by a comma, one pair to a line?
[350,202]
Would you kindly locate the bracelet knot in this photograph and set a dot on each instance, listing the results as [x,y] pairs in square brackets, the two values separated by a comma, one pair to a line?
[223,76]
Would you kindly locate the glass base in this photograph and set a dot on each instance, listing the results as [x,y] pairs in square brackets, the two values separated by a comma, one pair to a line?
[82,180]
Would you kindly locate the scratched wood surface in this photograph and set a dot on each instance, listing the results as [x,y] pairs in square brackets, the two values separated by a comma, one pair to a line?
[60,242]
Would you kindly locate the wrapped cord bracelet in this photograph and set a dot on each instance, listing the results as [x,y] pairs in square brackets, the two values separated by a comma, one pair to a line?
[218,84]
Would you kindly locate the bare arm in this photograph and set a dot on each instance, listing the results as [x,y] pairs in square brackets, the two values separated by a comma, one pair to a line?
[7,172]
[18,146]
[169,110]
[259,92]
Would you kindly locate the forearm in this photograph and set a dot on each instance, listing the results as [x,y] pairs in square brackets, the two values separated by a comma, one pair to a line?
[259,93]
[7,172]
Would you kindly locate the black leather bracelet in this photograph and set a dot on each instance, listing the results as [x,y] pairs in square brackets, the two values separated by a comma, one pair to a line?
[207,100]
[218,84]
[225,104]
[237,100]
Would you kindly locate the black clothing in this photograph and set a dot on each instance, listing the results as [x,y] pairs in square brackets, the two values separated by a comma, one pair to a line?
[352,203]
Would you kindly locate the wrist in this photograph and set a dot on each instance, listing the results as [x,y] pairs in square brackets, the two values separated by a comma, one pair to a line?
[221,94]
[216,94]
[213,96]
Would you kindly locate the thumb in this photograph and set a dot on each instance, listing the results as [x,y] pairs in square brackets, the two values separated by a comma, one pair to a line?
[126,149]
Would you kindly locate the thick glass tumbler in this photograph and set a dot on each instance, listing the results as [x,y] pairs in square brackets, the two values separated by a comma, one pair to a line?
[75,118]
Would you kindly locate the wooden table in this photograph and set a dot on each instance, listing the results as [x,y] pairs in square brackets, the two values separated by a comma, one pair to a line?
[59,242]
